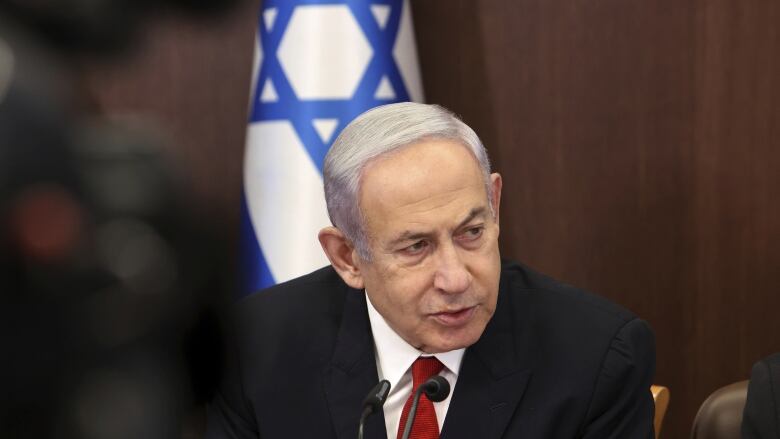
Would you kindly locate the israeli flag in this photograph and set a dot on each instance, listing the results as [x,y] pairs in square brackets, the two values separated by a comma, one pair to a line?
[318,64]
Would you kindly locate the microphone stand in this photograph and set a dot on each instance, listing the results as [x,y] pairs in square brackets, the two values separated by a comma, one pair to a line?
[436,388]
[373,403]
[366,412]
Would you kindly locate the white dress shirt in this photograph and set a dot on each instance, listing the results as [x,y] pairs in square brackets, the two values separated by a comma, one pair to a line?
[394,358]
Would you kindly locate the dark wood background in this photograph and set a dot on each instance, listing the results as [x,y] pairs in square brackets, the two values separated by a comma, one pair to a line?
[637,139]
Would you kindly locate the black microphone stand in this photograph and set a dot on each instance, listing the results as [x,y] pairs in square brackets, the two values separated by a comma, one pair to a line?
[436,388]
[373,402]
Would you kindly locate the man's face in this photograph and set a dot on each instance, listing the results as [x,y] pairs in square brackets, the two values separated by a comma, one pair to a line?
[435,263]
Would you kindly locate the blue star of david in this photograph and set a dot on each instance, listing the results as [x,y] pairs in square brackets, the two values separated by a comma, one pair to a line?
[301,113]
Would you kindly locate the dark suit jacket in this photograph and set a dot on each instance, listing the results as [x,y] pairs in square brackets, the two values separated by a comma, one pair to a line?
[553,362]
[761,418]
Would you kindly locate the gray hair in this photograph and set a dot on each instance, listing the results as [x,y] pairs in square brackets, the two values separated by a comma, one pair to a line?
[377,132]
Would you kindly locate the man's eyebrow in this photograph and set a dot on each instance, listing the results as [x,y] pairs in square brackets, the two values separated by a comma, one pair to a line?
[473,213]
[410,235]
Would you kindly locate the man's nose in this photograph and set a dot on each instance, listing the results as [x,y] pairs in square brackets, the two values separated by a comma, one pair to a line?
[451,276]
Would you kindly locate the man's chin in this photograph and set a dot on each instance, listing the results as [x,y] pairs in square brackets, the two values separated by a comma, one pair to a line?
[451,343]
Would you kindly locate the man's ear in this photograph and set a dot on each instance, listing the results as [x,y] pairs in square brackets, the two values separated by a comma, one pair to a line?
[495,184]
[342,256]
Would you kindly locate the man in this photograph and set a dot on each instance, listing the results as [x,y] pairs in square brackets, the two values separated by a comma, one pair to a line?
[416,272]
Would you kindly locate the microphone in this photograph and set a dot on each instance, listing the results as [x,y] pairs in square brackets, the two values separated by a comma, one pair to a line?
[373,402]
[436,389]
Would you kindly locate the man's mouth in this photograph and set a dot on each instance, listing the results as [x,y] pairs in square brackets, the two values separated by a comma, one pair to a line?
[455,318]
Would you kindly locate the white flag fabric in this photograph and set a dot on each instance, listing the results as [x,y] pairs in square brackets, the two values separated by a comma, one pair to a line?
[318,64]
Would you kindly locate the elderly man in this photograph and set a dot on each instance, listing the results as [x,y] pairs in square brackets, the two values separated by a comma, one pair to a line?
[416,287]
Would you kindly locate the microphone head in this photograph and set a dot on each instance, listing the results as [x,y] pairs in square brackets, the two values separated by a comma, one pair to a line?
[377,396]
[436,388]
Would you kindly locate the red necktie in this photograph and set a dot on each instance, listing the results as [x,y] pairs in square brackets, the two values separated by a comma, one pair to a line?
[425,424]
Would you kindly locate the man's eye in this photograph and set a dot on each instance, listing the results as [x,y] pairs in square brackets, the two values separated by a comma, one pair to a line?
[474,232]
[416,248]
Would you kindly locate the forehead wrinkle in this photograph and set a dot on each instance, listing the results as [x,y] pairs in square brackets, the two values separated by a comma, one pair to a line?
[434,202]
[410,171]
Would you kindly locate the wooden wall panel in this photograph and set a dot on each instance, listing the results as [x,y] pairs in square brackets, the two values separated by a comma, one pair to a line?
[637,141]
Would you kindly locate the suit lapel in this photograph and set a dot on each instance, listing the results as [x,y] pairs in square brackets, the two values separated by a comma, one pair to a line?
[492,379]
[352,372]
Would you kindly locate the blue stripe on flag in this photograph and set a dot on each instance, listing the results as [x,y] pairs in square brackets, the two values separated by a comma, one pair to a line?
[255,274]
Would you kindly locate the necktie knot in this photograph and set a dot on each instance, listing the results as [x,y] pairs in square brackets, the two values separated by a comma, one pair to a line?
[424,368]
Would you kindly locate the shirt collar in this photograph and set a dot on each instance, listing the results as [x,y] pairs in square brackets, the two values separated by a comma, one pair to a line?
[395,356]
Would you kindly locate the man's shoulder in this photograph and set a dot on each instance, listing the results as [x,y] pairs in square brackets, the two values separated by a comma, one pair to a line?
[288,330]
[310,299]
[318,283]
[557,301]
